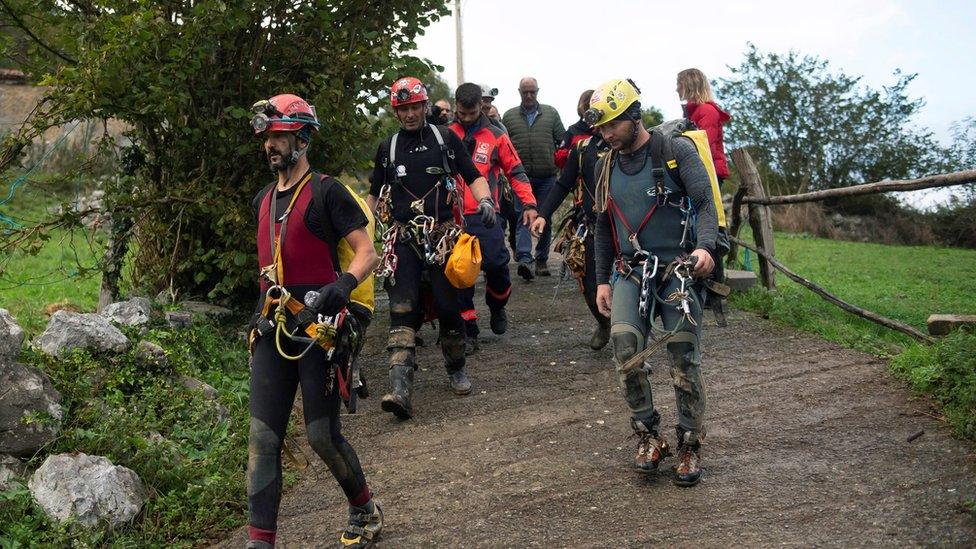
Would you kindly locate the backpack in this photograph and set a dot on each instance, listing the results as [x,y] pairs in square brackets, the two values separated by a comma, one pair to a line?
[363,294]
[662,154]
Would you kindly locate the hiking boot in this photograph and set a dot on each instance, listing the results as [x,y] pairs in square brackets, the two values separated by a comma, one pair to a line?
[471,345]
[541,269]
[398,401]
[600,337]
[525,270]
[258,544]
[688,471]
[364,527]
[499,321]
[651,449]
[460,383]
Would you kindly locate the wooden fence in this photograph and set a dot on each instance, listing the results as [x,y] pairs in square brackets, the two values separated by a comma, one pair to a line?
[752,194]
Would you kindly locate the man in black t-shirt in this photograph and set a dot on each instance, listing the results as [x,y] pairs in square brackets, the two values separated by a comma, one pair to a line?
[415,189]
[300,219]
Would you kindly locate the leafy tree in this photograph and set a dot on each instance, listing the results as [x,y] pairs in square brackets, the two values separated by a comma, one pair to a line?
[651,116]
[815,128]
[182,75]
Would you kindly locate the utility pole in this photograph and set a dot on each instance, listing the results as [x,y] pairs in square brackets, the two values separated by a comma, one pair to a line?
[457,32]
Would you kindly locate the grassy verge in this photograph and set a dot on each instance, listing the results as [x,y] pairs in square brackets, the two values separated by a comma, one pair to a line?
[903,282]
[189,451]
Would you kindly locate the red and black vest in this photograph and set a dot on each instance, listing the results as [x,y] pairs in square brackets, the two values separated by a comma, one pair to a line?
[306,259]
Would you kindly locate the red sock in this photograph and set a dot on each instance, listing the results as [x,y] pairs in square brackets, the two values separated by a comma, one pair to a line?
[362,499]
[256,533]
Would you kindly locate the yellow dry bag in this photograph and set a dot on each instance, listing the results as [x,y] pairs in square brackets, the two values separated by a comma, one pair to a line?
[464,263]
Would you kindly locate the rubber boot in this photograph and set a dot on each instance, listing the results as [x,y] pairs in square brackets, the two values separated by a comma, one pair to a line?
[398,401]
[601,335]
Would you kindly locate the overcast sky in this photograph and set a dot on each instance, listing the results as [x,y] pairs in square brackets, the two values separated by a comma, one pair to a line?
[572,45]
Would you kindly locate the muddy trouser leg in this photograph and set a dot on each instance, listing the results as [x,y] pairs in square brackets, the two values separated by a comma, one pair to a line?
[684,357]
[273,384]
[588,286]
[448,318]
[628,333]
[404,316]
[320,400]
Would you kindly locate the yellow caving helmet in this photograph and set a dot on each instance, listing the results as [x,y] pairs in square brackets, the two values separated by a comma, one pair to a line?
[610,100]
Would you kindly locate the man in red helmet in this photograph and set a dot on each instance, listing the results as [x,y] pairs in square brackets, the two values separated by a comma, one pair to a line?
[301,217]
[414,189]
[493,154]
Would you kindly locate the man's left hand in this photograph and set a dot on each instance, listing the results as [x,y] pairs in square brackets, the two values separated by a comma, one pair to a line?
[705,263]
[528,216]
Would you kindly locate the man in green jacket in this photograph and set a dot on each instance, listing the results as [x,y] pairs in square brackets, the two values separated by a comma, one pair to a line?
[536,131]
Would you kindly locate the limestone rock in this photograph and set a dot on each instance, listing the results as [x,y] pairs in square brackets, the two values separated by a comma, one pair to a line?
[179,319]
[150,354]
[27,392]
[89,489]
[133,312]
[215,312]
[11,469]
[11,336]
[68,331]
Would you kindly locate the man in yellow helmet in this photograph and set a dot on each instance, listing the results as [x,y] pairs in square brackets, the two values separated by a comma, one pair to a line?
[655,236]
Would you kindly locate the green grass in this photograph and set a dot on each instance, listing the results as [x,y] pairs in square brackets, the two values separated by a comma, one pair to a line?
[906,283]
[63,269]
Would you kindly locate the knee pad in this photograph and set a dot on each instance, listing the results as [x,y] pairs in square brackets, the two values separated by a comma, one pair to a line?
[626,343]
[263,450]
[322,437]
[401,346]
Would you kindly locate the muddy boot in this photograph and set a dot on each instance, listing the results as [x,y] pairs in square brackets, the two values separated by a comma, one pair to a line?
[452,346]
[651,448]
[600,337]
[258,544]
[499,321]
[525,270]
[541,269]
[398,401]
[688,471]
[365,525]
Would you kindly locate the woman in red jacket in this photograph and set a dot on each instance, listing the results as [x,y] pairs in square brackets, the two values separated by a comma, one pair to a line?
[701,109]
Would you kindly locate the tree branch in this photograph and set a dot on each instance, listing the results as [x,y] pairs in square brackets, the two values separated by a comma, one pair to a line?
[20,24]
[941,180]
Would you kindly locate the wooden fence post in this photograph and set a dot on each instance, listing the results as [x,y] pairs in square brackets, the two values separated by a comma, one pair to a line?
[760,218]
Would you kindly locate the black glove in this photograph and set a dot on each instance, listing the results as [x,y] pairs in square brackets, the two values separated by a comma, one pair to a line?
[333,297]
[486,209]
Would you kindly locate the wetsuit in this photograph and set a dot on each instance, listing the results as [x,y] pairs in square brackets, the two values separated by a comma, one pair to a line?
[579,174]
[417,174]
[324,211]
[632,194]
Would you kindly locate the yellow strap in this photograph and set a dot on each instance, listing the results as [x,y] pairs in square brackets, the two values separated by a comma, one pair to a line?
[291,204]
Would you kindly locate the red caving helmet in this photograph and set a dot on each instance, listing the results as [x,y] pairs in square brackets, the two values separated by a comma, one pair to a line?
[407,90]
[283,113]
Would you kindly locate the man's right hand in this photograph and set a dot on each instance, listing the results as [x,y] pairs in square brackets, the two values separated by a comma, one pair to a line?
[604,296]
[538,226]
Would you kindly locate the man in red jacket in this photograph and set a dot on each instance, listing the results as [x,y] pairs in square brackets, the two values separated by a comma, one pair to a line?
[493,154]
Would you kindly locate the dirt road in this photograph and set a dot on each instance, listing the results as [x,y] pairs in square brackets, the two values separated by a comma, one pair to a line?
[806,446]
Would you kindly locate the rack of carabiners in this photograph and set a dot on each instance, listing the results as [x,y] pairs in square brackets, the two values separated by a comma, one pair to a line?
[682,268]
[433,242]
[318,329]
